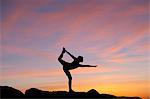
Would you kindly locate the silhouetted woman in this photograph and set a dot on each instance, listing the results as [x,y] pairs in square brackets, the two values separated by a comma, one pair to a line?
[69,66]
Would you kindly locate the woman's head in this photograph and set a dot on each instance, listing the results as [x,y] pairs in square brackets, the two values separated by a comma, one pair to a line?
[80,58]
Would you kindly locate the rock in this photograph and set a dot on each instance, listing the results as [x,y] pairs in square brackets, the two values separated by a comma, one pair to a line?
[93,91]
[9,92]
[33,92]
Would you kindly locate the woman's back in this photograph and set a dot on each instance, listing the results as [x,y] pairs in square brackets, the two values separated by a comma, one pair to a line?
[70,66]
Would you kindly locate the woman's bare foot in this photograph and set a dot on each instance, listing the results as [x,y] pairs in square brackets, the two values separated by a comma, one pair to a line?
[71,91]
[63,50]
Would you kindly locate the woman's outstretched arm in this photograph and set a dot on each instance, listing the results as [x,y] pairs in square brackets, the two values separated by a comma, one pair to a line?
[71,55]
[80,65]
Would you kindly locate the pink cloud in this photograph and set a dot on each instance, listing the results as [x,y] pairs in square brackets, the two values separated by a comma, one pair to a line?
[127,41]
[28,52]
[57,72]
[105,32]
[59,19]
[140,48]
[127,59]
[32,74]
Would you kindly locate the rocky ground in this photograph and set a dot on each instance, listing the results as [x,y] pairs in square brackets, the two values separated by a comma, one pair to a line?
[9,92]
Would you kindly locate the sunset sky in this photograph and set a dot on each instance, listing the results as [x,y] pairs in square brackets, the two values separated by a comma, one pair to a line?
[112,34]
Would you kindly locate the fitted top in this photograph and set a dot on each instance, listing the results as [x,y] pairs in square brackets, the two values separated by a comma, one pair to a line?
[70,66]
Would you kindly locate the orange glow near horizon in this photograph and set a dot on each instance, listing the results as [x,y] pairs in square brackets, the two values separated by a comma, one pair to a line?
[119,89]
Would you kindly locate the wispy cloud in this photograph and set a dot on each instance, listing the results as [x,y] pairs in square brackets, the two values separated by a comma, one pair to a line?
[28,52]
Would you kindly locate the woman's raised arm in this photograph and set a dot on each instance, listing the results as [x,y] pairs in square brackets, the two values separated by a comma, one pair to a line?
[71,55]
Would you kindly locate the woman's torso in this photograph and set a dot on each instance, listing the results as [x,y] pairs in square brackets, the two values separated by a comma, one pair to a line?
[70,66]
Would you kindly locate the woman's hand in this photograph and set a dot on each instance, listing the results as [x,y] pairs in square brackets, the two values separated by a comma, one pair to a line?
[94,66]
[64,50]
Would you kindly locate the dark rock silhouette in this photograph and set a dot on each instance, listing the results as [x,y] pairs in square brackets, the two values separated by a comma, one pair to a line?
[93,91]
[33,92]
[9,92]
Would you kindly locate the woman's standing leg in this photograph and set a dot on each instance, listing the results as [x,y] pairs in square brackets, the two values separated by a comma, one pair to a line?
[69,80]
